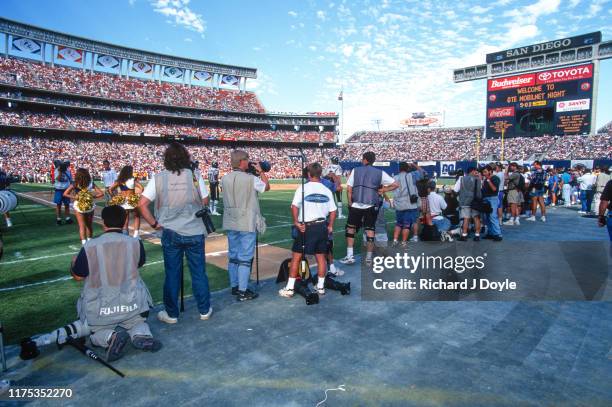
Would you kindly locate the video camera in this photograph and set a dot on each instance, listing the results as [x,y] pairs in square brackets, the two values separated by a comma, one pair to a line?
[265,167]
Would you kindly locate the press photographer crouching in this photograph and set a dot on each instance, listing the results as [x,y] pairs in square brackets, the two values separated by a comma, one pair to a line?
[242,218]
[114,302]
[179,195]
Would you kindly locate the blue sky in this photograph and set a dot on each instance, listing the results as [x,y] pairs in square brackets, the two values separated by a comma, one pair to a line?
[392,57]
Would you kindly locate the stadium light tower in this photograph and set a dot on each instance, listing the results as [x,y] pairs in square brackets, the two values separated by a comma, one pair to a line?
[541,89]
[377,123]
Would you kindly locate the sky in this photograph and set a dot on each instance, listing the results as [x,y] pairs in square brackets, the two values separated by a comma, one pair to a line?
[390,57]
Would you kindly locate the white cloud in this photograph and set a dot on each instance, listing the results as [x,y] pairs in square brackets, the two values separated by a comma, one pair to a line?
[131,2]
[321,15]
[312,47]
[292,13]
[347,50]
[479,9]
[187,39]
[182,14]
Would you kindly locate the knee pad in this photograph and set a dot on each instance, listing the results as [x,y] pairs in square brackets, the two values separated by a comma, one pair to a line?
[347,233]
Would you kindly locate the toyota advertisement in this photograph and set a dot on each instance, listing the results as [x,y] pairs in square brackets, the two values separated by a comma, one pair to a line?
[557,102]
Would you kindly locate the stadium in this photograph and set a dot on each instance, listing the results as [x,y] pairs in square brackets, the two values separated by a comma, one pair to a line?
[84,100]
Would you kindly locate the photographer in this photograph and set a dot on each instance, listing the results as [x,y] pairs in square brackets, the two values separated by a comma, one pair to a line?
[405,200]
[62,179]
[241,215]
[213,182]
[178,194]
[114,302]
[311,221]
[364,187]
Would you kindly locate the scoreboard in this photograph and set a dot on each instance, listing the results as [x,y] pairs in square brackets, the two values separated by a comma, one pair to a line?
[557,101]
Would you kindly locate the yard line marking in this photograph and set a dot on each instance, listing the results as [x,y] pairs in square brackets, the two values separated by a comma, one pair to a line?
[4,263]
[34,284]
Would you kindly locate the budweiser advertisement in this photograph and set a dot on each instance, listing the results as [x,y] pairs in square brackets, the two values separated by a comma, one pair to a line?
[550,102]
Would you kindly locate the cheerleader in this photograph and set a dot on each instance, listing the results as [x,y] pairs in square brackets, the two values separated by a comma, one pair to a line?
[84,191]
[129,194]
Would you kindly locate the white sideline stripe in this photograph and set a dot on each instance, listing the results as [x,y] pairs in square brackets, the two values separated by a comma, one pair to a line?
[36,258]
[34,284]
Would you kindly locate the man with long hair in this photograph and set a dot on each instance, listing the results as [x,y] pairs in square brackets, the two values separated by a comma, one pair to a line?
[178,194]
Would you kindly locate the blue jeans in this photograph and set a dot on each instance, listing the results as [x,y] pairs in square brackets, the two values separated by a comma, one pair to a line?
[443,224]
[241,247]
[493,228]
[174,247]
[583,200]
[609,225]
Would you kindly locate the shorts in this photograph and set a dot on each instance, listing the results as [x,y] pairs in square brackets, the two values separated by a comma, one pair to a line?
[406,218]
[362,217]
[317,240]
[500,197]
[515,196]
[467,212]
[59,198]
[536,193]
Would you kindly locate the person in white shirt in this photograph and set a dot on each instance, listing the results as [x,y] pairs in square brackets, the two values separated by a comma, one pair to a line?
[109,176]
[437,205]
[310,219]
[586,182]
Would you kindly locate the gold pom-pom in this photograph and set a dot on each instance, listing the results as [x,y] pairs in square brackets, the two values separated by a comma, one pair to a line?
[133,200]
[84,201]
[117,200]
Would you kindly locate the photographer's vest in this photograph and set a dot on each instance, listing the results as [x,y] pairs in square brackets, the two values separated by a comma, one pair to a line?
[176,202]
[366,183]
[240,204]
[113,291]
[407,187]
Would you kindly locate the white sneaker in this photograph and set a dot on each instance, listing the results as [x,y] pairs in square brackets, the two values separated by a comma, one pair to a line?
[164,317]
[348,260]
[553,204]
[286,292]
[414,239]
[581,213]
[531,219]
[338,272]
[543,218]
[9,223]
[517,222]
[320,291]
[216,213]
[206,316]
[509,222]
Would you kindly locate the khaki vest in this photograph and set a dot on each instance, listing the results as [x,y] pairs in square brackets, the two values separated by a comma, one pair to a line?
[176,202]
[240,204]
[113,291]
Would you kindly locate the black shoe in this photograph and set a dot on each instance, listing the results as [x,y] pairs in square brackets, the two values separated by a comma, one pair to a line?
[497,238]
[58,222]
[477,238]
[463,239]
[489,237]
[246,295]
[69,221]
[116,347]
[235,290]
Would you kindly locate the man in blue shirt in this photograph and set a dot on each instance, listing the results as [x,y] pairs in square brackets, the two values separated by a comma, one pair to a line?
[566,188]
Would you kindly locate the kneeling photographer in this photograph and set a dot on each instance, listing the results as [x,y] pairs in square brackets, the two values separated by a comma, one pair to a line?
[114,301]
[242,218]
[179,195]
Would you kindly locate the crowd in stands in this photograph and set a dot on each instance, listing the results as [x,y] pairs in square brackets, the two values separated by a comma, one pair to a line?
[91,122]
[170,112]
[30,158]
[460,144]
[32,74]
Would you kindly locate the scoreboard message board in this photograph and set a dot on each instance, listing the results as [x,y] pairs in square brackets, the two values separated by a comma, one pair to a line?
[557,102]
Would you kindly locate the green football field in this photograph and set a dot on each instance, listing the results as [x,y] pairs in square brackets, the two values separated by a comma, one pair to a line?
[37,293]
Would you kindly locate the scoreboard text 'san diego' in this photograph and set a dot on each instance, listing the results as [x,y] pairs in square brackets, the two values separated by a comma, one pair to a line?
[557,101]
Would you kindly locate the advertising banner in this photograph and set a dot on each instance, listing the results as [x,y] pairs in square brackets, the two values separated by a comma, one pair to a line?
[26,45]
[70,54]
